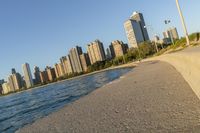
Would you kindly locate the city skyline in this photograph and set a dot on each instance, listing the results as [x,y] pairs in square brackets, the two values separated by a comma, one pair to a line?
[25,47]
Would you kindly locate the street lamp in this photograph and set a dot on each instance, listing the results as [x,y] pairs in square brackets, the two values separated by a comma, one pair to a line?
[183,23]
[155,34]
[170,33]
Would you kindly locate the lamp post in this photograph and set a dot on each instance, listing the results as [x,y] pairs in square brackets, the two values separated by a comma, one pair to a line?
[183,23]
[155,34]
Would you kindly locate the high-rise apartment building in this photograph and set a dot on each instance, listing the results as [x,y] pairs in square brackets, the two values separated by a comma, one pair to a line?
[108,54]
[174,32]
[63,61]
[133,33]
[13,71]
[27,75]
[96,51]
[51,74]
[171,33]
[15,82]
[1,88]
[11,83]
[17,78]
[59,70]
[37,75]
[140,19]
[44,77]
[6,88]
[118,48]
[69,65]
[136,31]
[85,61]
[74,54]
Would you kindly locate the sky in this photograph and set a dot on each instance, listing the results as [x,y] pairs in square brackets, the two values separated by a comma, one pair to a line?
[41,31]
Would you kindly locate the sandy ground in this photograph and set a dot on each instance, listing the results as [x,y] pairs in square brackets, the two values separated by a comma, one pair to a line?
[151,98]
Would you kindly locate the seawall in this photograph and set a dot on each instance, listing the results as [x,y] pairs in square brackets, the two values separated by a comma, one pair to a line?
[187,62]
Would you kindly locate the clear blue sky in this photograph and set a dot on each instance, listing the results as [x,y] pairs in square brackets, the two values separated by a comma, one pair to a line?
[41,31]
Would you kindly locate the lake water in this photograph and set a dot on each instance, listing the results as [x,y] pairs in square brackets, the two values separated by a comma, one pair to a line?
[20,109]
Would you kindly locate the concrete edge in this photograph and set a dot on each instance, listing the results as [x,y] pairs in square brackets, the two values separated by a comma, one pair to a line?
[188,65]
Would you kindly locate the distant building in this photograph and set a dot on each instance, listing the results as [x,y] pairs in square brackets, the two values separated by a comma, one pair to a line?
[171,32]
[13,71]
[1,88]
[58,70]
[44,77]
[74,54]
[156,38]
[27,75]
[2,81]
[51,74]
[166,34]
[11,83]
[85,61]
[63,61]
[96,51]
[37,75]
[174,33]
[136,31]
[140,19]
[18,83]
[6,88]
[133,33]
[118,48]
[15,81]
[69,65]
[108,54]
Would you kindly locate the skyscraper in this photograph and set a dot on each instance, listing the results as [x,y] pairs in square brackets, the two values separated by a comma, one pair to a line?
[11,83]
[171,32]
[69,65]
[140,19]
[6,88]
[74,54]
[27,75]
[135,30]
[59,70]
[13,71]
[63,61]
[37,75]
[1,87]
[17,78]
[174,33]
[108,54]
[85,61]
[44,76]
[51,73]
[118,48]
[96,51]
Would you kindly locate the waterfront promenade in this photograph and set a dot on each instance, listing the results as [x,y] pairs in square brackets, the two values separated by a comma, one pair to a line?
[153,97]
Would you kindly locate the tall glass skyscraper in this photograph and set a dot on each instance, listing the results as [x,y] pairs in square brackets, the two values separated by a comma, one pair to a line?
[135,29]
[27,75]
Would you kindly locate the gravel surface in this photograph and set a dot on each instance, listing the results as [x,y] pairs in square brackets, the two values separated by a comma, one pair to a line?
[153,97]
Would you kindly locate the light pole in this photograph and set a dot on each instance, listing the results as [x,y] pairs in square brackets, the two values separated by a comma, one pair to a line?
[183,23]
[170,33]
[155,41]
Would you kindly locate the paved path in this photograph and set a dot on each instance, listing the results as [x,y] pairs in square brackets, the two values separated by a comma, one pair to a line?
[152,98]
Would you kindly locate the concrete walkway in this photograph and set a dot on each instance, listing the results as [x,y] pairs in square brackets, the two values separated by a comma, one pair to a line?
[151,98]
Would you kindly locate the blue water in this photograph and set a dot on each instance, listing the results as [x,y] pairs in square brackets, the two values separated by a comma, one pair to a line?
[20,109]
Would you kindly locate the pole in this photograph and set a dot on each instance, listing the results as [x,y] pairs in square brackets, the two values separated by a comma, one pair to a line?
[183,23]
[172,39]
[156,46]
[150,28]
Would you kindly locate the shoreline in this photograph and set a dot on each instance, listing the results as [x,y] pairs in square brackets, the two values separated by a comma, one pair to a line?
[128,65]
[138,102]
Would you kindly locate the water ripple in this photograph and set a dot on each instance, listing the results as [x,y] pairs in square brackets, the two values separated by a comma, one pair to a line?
[20,109]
